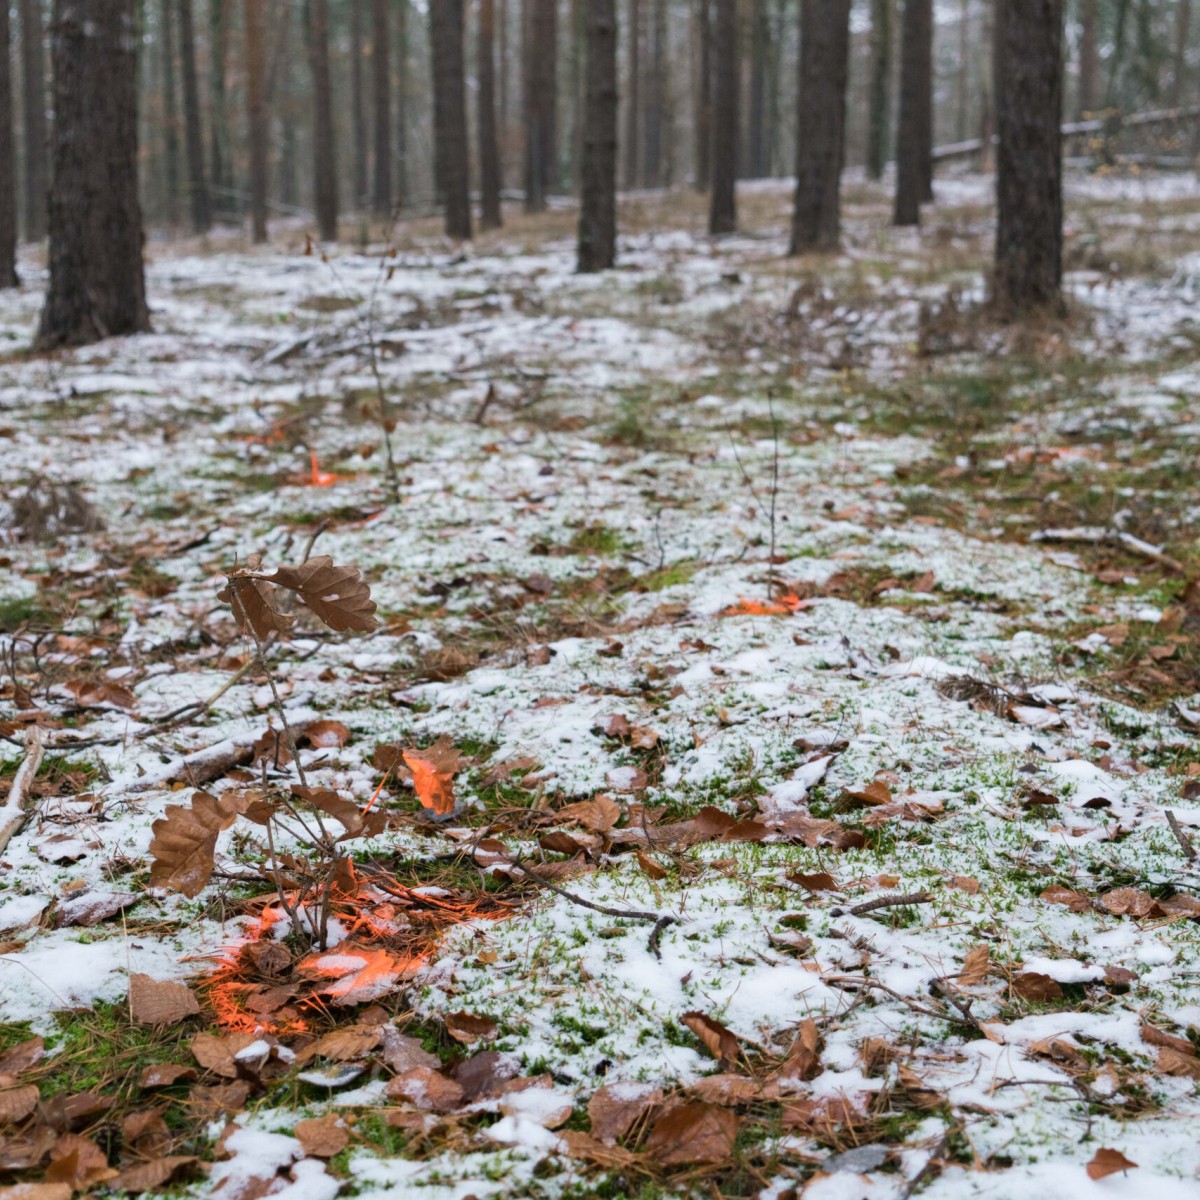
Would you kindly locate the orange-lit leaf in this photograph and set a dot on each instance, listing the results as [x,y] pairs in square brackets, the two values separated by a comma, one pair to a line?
[433,775]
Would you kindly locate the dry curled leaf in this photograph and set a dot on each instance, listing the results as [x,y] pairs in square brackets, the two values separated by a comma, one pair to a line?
[426,1088]
[1032,985]
[151,1176]
[719,1041]
[466,1028]
[821,881]
[433,773]
[690,1134]
[22,1056]
[599,815]
[250,598]
[160,1001]
[1108,1162]
[218,1054]
[325,735]
[322,1137]
[185,840]
[16,1103]
[79,1162]
[1128,902]
[98,693]
[617,1107]
[975,966]
[1057,894]
[337,595]
[36,1191]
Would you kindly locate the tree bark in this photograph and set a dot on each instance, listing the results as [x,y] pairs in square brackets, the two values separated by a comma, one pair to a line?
[325,190]
[33,71]
[1179,68]
[256,105]
[97,281]
[962,100]
[489,147]
[170,110]
[656,95]
[402,102]
[358,113]
[633,96]
[914,139]
[201,205]
[220,160]
[381,69]
[756,118]
[821,124]
[1089,58]
[598,211]
[722,214]
[8,160]
[541,102]
[1029,234]
[879,101]
[451,149]
[703,117]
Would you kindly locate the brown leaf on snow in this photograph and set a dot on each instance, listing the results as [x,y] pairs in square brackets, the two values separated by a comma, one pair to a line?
[617,1107]
[337,595]
[727,1089]
[325,735]
[1108,1162]
[1180,906]
[965,883]
[975,966]
[804,1059]
[217,1054]
[322,1137]
[876,792]
[433,773]
[599,1154]
[643,738]
[92,693]
[158,1075]
[1153,1036]
[822,881]
[92,907]
[22,1056]
[466,1028]
[1174,1062]
[36,1191]
[692,1133]
[16,1103]
[718,1040]
[185,840]
[1031,985]
[160,1001]
[599,814]
[425,1088]
[151,1176]
[616,726]
[79,1162]
[1057,894]
[402,1053]
[1122,902]
[650,867]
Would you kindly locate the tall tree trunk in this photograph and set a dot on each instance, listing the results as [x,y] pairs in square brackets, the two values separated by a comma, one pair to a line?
[33,71]
[1116,61]
[1089,57]
[220,159]
[1179,67]
[194,137]
[325,191]
[381,68]
[358,108]
[598,209]
[8,160]
[97,280]
[821,124]
[451,150]
[774,150]
[255,18]
[1029,233]
[722,213]
[914,142]
[703,119]
[756,118]
[402,172]
[962,100]
[879,101]
[489,147]
[633,96]
[656,97]
[541,103]
[170,110]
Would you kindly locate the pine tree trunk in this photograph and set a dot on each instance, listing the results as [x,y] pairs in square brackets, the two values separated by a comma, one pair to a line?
[489,148]
[170,111]
[703,119]
[821,124]
[722,213]
[962,100]
[256,105]
[541,101]
[879,102]
[358,110]
[652,142]
[1183,29]
[914,137]
[97,281]
[1029,234]
[8,160]
[451,149]
[756,122]
[325,191]
[382,71]
[402,102]
[598,211]
[1116,60]
[1089,58]
[221,164]
[33,71]
[633,96]
[194,137]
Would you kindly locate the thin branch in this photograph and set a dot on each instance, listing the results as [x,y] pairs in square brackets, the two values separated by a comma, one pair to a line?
[12,813]
[1181,837]
[894,901]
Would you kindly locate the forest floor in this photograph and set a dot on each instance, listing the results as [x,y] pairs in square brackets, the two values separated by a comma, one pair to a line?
[796,601]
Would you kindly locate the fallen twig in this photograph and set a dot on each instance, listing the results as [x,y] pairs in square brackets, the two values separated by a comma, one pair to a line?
[1096,536]
[1181,837]
[12,813]
[893,901]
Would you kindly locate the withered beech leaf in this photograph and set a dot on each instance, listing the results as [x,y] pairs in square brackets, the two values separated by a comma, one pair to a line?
[617,1107]
[78,1161]
[160,1001]
[185,840]
[975,966]
[325,735]
[322,1137]
[1032,985]
[426,1088]
[719,1041]
[875,792]
[16,1103]
[1128,901]
[329,802]
[97,693]
[158,1075]
[433,773]
[22,1056]
[250,598]
[337,595]
[36,1191]
[1108,1162]
[151,1176]
[821,881]
[692,1133]
[651,868]
[216,1054]
[467,1028]
[599,814]
[1171,1062]
[1057,894]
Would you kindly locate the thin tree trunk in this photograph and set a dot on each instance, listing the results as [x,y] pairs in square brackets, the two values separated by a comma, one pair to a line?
[194,136]
[402,172]
[170,110]
[704,96]
[656,94]
[821,124]
[256,105]
[220,160]
[1089,58]
[1179,69]
[8,160]
[33,71]
[722,215]
[97,280]
[1029,235]
[598,210]
[489,148]
[358,113]
[451,149]
[541,100]
[774,150]
[381,69]
[963,98]
[325,191]
[913,139]
[756,122]
[879,101]
[1117,61]
[633,96]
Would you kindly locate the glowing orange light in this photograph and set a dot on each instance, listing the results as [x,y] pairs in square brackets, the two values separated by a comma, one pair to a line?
[783,607]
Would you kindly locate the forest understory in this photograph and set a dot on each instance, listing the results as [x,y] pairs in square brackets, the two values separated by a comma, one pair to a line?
[805,665]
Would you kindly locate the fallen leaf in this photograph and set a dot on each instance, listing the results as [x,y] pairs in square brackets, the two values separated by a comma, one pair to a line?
[158,1075]
[160,1001]
[804,1059]
[1128,901]
[100,693]
[1032,985]
[822,881]
[718,1040]
[466,1028]
[22,1056]
[79,1162]
[1173,1062]
[650,867]
[91,908]
[433,773]
[426,1088]
[1153,1036]
[599,814]
[692,1133]
[16,1103]
[223,1098]
[1057,894]
[726,1089]
[322,1137]
[218,1054]
[599,1154]
[616,1107]
[876,792]
[185,840]
[402,1053]
[643,738]
[965,883]
[153,1175]
[1108,1162]
[348,1044]
[975,966]
[36,1191]
[325,735]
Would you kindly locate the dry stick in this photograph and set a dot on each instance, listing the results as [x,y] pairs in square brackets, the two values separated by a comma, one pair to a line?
[1113,537]
[894,901]
[12,813]
[1181,837]
[862,981]
[660,921]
